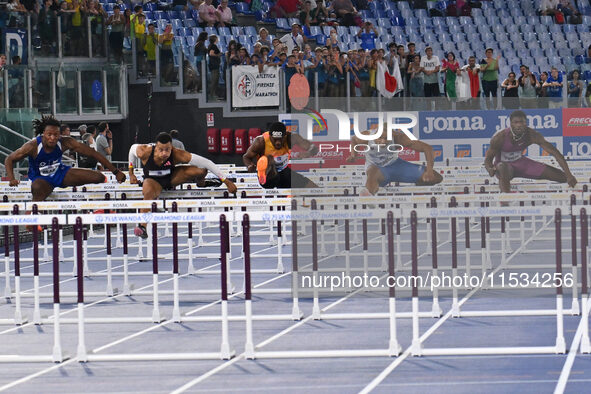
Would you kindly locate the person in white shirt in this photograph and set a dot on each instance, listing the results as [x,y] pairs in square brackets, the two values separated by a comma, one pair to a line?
[293,39]
[430,65]
[548,7]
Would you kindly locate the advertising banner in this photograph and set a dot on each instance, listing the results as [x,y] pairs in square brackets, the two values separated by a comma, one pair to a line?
[253,89]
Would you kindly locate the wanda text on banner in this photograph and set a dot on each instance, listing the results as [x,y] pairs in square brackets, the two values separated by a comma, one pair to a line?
[253,89]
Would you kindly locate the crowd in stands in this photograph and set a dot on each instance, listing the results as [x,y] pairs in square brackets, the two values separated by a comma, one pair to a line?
[330,64]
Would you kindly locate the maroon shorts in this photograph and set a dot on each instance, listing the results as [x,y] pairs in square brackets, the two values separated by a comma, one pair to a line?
[526,168]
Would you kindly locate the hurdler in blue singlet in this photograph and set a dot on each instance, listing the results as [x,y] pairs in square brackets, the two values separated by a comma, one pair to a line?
[48,165]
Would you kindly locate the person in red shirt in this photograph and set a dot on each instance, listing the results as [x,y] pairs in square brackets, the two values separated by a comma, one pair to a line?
[285,9]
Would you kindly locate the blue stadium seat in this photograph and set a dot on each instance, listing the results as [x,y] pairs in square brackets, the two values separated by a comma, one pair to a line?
[224,31]
[546,20]
[587,75]
[173,15]
[243,8]
[236,30]
[283,24]
[176,24]
[384,22]
[159,15]
[189,22]
[196,31]
[191,40]
[149,7]
[400,21]
[250,31]
[211,31]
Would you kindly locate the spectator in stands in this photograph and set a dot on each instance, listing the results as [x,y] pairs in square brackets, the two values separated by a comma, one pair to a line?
[373,69]
[47,27]
[127,27]
[65,130]
[294,38]
[415,73]
[207,14]
[16,13]
[587,95]
[224,15]
[528,83]
[361,61]
[368,36]
[489,67]
[285,9]
[243,57]
[334,69]
[117,23]
[150,48]
[333,39]
[176,143]
[548,7]
[87,138]
[104,140]
[345,12]
[308,15]
[200,52]
[541,90]
[510,96]
[430,65]
[166,56]
[554,88]
[276,48]
[97,16]
[214,65]
[133,19]
[575,90]
[264,56]
[451,68]
[140,41]
[190,78]
[264,37]
[232,58]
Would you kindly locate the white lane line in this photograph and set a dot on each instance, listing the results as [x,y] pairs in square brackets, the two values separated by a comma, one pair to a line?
[50,369]
[570,359]
[384,374]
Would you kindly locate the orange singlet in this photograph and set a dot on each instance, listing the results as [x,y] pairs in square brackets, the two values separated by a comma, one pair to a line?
[281,156]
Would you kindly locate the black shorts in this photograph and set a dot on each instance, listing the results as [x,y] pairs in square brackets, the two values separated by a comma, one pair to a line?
[164,182]
[286,179]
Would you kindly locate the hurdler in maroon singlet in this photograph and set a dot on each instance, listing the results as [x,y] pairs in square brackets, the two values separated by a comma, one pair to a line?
[511,154]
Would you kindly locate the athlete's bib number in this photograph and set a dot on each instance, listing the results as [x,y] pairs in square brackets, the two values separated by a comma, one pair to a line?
[49,170]
[510,156]
[281,162]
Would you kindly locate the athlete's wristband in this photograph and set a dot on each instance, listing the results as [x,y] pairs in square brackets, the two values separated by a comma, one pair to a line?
[117,170]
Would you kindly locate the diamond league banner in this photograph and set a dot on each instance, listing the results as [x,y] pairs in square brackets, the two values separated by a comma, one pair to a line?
[253,89]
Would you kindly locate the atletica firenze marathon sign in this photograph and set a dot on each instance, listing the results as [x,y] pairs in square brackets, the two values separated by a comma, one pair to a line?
[253,89]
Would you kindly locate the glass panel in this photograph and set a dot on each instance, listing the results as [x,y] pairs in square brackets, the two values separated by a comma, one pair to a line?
[45,41]
[168,65]
[66,96]
[98,30]
[92,92]
[191,76]
[74,34]
[17,91]
[42,91]
[113,90]
[19,120]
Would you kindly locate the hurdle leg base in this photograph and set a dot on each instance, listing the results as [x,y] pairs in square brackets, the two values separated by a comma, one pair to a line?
[395,349]
[176,316]
[280,268]
[436,311]
[37,320]
[585,344]
[416,348]
[156,316]
[7,292]
[560,345]
[296,313]
[249,351]
[19,320]
[127,289]
[575,308]
[226,353]
[57,355]
[455,311]
[81,355]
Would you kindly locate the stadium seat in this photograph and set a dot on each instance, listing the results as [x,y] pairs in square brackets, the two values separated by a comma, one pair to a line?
[191,40]
[282,24]
[243,8]
[224,31]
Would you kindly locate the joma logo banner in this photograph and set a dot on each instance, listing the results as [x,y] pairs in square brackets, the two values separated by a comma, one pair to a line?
[484,124]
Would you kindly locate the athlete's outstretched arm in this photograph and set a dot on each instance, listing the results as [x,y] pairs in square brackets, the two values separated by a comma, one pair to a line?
[256,150]
[71,143]
[310,148]
[26,150]
[539,139]
[137,151]
[419,146]
[496,143]
[182,156]
[354,142]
